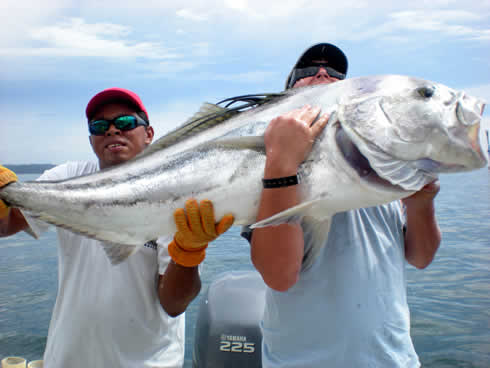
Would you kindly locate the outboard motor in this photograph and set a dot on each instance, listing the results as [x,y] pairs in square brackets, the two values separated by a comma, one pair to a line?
[228,323]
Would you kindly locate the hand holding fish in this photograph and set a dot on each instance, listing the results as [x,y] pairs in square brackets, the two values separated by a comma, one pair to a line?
[289,139]
[195,229]
[423,197]
[6,177]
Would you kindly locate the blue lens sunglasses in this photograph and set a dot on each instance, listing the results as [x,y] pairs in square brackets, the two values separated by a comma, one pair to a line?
[124,123]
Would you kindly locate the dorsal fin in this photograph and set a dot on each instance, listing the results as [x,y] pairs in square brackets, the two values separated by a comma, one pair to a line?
[210,115]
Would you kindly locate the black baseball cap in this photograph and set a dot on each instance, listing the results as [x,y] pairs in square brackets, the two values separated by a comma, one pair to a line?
[321,51]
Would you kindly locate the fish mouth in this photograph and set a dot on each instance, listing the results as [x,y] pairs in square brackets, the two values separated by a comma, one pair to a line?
[358,162]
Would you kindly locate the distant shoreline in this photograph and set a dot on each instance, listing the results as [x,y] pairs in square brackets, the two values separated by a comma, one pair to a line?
[29,168]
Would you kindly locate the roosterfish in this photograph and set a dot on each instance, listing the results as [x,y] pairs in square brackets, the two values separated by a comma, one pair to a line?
[387,136]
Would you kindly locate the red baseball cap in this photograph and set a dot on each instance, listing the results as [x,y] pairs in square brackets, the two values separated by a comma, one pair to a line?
[114,94]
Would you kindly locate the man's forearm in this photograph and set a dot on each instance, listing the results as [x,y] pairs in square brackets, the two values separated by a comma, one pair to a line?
[277,251]
[178,287]
[423,236]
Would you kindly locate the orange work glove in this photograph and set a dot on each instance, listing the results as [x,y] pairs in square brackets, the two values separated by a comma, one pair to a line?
[6,177]
[195,231]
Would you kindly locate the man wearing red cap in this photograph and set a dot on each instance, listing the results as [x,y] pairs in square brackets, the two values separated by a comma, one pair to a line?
[120,316]
[349,308]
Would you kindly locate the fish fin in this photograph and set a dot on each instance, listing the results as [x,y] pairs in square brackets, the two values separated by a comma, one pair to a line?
[252,100]
[29,231]
[294,215]
[315,221]
[118,253]
[209,115]
[316,234]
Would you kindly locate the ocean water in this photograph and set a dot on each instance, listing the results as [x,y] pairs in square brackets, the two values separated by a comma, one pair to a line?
[449,301]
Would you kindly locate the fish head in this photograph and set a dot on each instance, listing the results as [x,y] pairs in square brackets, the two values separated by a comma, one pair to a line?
[409,130]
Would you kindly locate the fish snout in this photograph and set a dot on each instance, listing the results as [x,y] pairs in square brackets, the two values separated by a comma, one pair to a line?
[469,110]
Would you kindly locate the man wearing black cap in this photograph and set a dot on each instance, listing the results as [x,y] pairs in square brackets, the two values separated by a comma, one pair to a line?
[120,316]
[320,64]
[349,308]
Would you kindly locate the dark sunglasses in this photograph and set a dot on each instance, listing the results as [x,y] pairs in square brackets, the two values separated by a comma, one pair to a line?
[125,122]
[311,70]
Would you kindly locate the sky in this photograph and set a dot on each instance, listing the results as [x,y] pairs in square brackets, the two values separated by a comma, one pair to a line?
[178,54]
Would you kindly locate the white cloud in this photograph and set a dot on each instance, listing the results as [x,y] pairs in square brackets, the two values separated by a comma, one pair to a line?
[443,22]
[49,33]
[432,24]
[191,15]
[74,37]
[15,15]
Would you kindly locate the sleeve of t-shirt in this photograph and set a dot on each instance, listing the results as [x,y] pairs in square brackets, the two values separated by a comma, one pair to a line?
[64,171]
[246,233]
[162,253]
[401,210]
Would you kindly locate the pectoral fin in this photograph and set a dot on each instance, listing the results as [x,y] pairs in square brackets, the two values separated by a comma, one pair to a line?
[292,215]
[315,221]
[29,231]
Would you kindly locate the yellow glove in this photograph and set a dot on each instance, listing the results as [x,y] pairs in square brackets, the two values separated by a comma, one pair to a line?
[6,177]
[195,231]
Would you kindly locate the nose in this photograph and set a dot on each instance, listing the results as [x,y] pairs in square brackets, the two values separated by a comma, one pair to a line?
[322,73]
[112,131]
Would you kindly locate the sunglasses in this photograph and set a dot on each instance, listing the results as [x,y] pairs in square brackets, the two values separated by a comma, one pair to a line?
[312,70]
[124,123]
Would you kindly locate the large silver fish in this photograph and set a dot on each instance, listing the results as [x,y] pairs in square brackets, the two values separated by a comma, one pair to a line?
[387,137]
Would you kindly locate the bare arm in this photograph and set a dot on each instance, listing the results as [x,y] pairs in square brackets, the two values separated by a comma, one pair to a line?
[277,251]
[178,287]
[196,227]
[423,235]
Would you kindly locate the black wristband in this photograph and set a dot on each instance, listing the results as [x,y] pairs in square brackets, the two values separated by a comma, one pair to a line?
[280,182]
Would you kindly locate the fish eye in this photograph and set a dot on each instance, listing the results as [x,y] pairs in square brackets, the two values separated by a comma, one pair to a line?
[426,92]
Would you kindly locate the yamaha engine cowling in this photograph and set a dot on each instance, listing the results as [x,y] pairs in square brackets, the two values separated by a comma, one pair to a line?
[228,323]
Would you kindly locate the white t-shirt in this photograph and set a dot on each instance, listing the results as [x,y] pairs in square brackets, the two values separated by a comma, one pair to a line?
[105,315]
[349,309]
